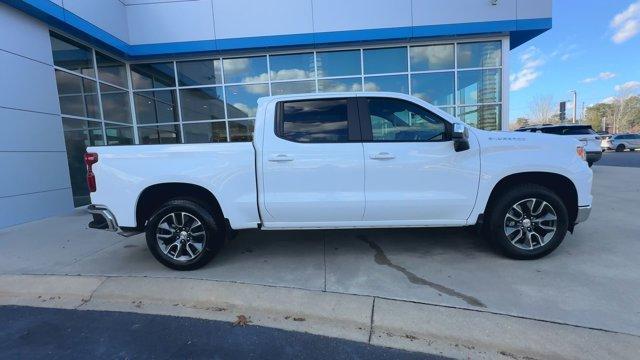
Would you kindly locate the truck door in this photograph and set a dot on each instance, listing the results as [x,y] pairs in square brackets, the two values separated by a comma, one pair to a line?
[312,164]
[413,174]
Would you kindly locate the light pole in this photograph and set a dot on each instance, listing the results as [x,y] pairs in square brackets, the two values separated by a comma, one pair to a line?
[575,104]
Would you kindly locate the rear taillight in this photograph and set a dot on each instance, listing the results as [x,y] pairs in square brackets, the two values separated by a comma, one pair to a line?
[89,160]
[582,154]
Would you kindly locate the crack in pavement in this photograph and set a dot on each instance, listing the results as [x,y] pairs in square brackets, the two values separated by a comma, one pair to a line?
[382,259]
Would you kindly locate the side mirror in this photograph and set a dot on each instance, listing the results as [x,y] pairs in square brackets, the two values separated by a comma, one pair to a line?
[460,136]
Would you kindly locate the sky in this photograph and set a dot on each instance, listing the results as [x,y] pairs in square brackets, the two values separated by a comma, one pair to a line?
[593,48]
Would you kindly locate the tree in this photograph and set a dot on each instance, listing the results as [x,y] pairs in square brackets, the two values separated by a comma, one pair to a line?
[521,122]
[595,115]
[542,109]
[622,114]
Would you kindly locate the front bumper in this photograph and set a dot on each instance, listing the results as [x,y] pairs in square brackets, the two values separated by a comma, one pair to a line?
[583,213]
[103,219]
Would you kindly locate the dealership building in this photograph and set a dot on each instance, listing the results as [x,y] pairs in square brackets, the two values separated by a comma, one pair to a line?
[78,73]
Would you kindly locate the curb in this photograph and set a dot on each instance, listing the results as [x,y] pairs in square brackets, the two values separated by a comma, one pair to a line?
[451,332]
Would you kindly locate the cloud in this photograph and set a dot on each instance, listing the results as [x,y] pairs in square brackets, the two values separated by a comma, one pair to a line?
[626,24]
[609,100]
[628,86]
[531,60]
[602,76]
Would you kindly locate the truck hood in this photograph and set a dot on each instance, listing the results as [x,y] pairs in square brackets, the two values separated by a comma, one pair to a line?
[519,140]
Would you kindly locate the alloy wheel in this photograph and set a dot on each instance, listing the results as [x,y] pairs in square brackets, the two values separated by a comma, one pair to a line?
[181,236]
[530,223]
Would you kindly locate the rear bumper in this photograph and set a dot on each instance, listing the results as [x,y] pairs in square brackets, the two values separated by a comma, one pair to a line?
[103,219]
[583,213]
[593,156]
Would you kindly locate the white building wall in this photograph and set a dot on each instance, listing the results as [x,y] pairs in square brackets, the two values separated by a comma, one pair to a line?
[34,177]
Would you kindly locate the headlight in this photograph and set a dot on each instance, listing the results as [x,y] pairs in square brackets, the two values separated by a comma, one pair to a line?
[581,153]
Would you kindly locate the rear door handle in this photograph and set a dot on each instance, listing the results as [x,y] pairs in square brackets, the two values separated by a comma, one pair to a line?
[382,156]
[280,158]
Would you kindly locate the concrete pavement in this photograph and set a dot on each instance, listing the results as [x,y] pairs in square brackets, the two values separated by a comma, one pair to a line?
[591,281]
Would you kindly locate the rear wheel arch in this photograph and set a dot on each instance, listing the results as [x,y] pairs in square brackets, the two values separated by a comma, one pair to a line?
[559,184]
[154,196]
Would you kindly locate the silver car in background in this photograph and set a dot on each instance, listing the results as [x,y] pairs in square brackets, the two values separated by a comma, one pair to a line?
[621,142]
[589,138]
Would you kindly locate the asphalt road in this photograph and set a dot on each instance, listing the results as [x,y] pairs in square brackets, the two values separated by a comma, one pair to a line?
[40,333]
[626,159]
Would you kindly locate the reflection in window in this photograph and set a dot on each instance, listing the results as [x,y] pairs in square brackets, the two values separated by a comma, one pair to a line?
[393,83]
[111,70]
[293,87]
[150,76]
[115,104]
[71,55]
[241,130]
[162,134]
[435,88]
[479,54]
[205,132]
[118,134]
[340,85]
[202,104]
[380,61]
[245,70]
[479,86]
[432,57]
[78,135]
[338,63]
[154,107]
[399,120]
[291,67]
[199,72]
[315,121]
[484,117]
[78,96]
[242,100]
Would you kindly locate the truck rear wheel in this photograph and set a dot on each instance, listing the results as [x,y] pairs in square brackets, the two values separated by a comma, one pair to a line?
[527,222]
[183,235]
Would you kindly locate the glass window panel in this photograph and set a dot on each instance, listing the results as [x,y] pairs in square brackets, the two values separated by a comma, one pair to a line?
[339,85]
[245,70]
[150,76]
[78,96]
[199,72]
[432,57]
[118,134]
[399,120]
[486,117]
[162,134]
[316,121]
[293,87]
[115,104]
[450,110]
[242,100]
[479,86]
[241,130]
[393,83]
[201,104]
[435,88]
[71,55]
[380,61]
[289,67]
[338,63]
[111,70]
[154,107]
[479,54]
[205,132]
[78,135]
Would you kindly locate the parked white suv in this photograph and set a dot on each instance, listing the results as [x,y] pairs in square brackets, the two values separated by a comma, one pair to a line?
[584,133]
[344,160]
[622,142]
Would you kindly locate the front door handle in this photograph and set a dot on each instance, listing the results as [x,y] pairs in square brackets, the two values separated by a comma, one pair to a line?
[280,158]
[382,156]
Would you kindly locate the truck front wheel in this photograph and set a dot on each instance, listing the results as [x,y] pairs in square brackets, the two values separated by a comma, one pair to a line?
[183,235]
[527,222]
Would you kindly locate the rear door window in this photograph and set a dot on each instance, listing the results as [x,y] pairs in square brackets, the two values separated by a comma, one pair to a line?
[318,121]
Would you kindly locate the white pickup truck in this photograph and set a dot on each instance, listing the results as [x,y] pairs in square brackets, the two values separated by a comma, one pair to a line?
[343,160]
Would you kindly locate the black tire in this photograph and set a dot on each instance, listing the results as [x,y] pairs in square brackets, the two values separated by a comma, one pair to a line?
[495,221]
[632,149]
[211,226]
[620,148]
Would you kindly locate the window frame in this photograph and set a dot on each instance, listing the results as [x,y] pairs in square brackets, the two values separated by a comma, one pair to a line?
[367,129]
[353,121]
